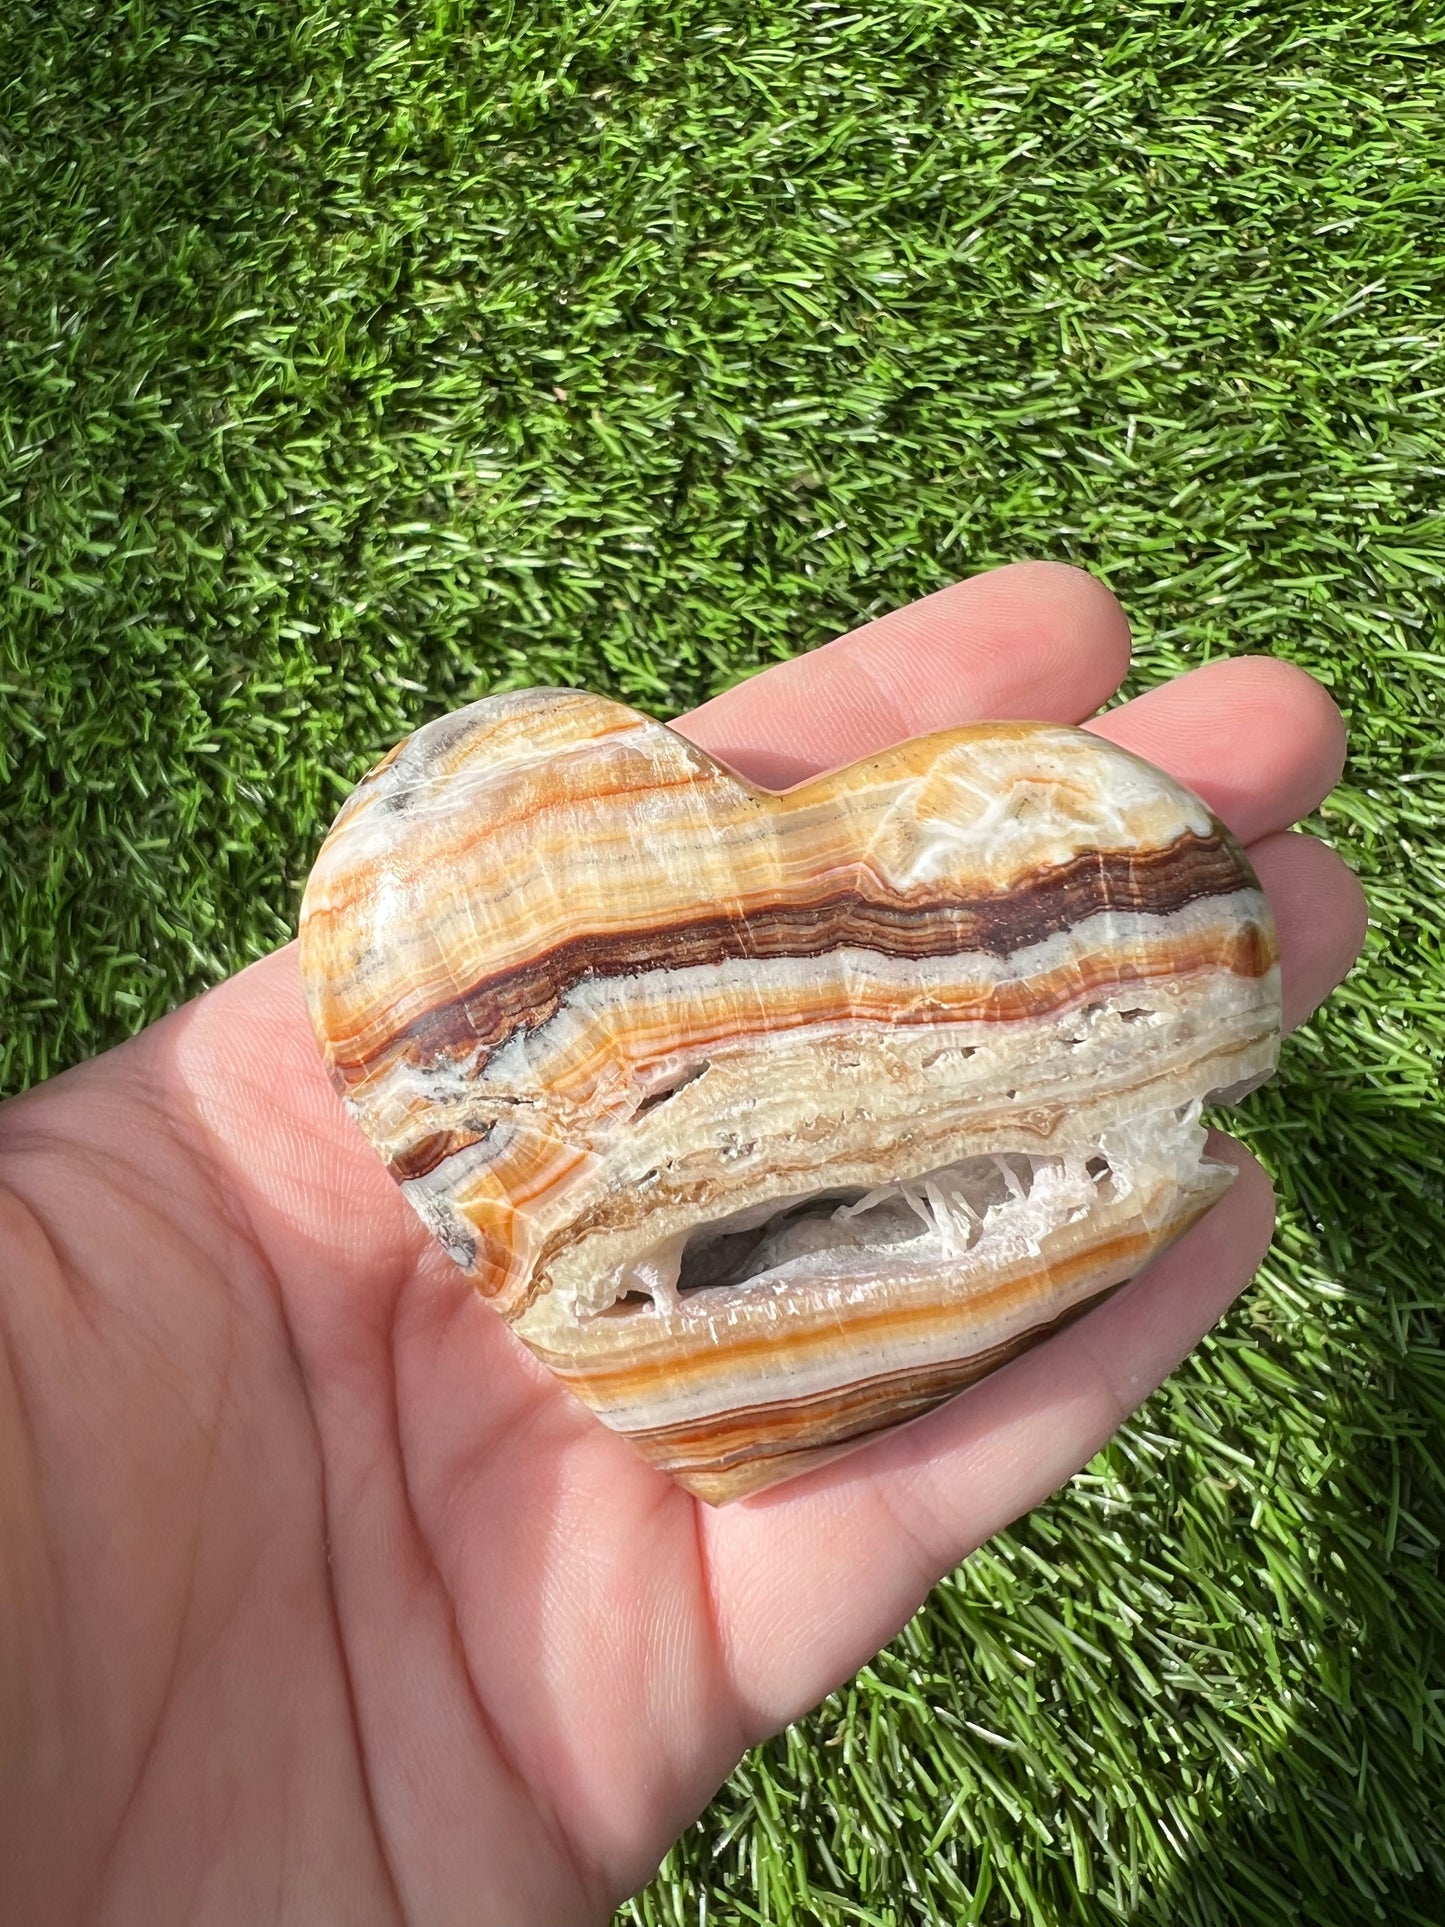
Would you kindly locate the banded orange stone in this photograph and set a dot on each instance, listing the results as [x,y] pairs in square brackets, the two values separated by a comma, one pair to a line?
[770,1120]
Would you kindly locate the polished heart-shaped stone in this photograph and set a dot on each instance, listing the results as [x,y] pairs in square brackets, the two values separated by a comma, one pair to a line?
[769,1121]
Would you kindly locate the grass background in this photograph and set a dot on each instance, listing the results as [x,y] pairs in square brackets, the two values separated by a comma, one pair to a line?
[359,358]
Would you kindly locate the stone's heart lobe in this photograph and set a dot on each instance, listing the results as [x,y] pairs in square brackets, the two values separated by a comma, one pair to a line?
[770,1121]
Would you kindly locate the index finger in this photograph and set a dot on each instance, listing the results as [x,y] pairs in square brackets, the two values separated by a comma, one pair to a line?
[1034,641]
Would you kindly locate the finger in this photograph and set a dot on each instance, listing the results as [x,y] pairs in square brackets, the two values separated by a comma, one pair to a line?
[1259,740]
[1033,640]
[1319,912]
[811,1581]
[242,1068]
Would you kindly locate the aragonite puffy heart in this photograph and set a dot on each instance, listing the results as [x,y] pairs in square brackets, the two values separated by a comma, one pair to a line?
[770,1121]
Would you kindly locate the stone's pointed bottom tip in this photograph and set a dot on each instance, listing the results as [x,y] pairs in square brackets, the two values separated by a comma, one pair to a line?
[771,1122]
[763,1469]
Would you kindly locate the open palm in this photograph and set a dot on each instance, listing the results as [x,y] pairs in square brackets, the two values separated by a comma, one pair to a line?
[319,1600]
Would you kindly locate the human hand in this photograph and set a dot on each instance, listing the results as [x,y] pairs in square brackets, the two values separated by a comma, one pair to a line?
[320,1599]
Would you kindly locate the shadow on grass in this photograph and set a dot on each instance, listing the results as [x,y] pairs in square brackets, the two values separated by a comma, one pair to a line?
[1338,1820]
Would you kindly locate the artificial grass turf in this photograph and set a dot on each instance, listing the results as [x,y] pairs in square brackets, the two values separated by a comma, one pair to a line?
[359,359]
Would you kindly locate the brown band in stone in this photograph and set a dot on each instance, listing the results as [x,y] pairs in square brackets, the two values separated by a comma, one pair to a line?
[1033,908]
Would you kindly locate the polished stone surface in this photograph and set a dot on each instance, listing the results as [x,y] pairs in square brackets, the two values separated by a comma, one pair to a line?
[770,1121]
